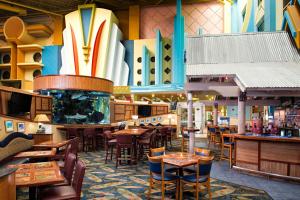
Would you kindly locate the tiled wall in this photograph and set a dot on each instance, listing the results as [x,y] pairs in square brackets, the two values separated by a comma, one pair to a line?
[208,16]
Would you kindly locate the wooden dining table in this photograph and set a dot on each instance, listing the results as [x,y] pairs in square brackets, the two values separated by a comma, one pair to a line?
[51,144]
[37,154]
[184,159]
[33,175]
[132,132]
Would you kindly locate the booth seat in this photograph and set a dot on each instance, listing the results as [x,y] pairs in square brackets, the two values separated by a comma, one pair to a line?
[12,144]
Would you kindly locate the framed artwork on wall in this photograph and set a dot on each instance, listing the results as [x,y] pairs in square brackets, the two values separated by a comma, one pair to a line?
[147,120]
[154,119]
[9,126]
[159,119]
[21,127]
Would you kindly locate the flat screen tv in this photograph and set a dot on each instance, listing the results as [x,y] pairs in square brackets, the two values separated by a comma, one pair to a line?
[19,104]
[144,110]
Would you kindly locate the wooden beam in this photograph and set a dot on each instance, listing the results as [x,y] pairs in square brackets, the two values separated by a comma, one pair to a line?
[32,8]
[14,9]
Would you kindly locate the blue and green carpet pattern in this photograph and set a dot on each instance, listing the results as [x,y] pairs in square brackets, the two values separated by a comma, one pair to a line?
[104,181]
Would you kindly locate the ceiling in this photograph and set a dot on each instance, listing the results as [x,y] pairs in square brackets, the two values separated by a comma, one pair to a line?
[65,6]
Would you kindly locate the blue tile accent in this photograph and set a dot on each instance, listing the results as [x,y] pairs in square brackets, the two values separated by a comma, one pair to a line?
[129,54]
[145,67]
[270,15]
[178,71]
[86,14]
[51,57]
[252,25]
[158,59]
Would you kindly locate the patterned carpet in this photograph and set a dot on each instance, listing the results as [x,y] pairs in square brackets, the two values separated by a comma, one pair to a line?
[104,181]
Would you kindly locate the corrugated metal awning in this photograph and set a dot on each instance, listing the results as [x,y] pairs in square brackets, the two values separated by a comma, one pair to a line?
[252,75]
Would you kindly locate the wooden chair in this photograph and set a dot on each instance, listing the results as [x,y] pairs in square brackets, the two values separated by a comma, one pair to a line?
[157,151]
[200,152]
[160,176]
[227,144]
[201,177]
[125,143]
[145,142]
[109,144]
[212,135]
[184,139]
[72,191]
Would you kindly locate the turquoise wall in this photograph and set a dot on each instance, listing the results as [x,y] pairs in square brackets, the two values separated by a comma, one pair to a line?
[232,111]
[51,57]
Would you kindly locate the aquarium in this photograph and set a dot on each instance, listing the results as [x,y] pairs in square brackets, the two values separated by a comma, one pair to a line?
[79,107]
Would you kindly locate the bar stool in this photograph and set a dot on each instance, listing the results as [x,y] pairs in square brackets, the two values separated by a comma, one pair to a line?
[109,144]
[89,139]
[125,143]
[225,144]
[71,133]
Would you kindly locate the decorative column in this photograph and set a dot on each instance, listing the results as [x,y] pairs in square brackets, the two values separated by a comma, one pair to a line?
[190,121]
[215,114]
[242,112]
[158,59]
[145,67]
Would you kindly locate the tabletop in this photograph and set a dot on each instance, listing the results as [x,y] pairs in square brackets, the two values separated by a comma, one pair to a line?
[37,174]
[51,144]
[183,159]
[133,132]
[191,129]
[36,154]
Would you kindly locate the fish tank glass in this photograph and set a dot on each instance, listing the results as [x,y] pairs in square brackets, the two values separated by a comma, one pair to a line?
[79,107]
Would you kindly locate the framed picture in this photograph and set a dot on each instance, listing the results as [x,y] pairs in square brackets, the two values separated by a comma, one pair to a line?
[9,126]
[159,119]
[154,119]
[21,127]
[147,120]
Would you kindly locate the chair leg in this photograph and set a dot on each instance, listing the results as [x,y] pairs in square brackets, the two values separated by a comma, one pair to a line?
[111,152]
[197,191]
[150,187]
[208,189]
[181,190]
[222,152]
[106,155]
[162,190]
[177,189]
[230,156]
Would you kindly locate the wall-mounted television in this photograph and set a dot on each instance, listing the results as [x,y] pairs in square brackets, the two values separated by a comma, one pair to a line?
[19,104]
[144,110]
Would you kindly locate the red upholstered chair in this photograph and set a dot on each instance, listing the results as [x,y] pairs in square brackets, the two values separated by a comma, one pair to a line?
[75,146]
[69,167]
[61,163]
[66,192]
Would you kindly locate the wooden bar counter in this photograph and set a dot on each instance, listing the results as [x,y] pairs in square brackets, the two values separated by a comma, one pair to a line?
[268,155]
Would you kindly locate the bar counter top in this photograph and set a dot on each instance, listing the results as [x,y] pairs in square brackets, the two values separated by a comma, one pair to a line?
[266,137]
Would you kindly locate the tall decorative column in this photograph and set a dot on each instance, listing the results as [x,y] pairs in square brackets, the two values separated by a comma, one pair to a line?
[190,121]
[242,112]
[178,72]
[215,114]
[158,59]
[145,67]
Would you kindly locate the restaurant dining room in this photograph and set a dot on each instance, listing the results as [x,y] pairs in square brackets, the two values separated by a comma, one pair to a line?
[158,99]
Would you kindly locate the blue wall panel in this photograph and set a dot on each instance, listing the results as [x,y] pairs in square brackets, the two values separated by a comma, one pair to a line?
[129,54]
[158,59]
[145,67]
[51,57]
